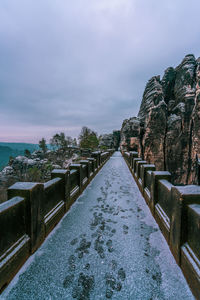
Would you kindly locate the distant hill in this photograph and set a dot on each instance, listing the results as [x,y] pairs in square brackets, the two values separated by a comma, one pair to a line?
[13,149]
[20,146]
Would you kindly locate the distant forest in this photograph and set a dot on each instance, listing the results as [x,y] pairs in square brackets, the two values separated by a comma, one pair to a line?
[13,149]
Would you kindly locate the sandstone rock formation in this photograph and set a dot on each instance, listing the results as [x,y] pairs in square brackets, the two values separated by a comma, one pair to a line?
[130,133]
[106,140]
[111,140]
[169,122]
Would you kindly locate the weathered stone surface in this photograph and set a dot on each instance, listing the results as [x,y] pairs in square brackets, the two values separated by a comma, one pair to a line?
[129,134]
[111,140]
[106,140]
[168,133]
[153,94]
[153,140]
[195,130]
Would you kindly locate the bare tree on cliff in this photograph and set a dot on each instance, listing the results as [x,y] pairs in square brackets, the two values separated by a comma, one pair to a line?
[88,138]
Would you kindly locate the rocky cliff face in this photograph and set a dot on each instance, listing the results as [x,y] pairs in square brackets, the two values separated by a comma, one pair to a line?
[169,121]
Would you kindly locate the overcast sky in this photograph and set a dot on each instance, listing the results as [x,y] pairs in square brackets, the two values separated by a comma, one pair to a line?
[65,64]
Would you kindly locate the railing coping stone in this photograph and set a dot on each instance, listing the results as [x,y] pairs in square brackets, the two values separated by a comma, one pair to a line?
[73,171]
[51,182]
[75,165]
[23,186]
[149,166]
[195,207]
[60,171]
[161,173]
[188,190]
[142,162]
[13,201]
[165,182]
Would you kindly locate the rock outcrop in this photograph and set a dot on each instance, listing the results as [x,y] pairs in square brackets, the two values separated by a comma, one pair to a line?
[37,167]
[106,140]
[111,140]
[168,134]
[130,134]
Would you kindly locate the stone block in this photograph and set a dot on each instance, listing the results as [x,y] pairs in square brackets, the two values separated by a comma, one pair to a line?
[87,164]
[34,195]
[53,203]
[74,180]
[138,173]
[135,160]
[14,241]
[93,164]
[64,175]
[190,251]
[144,168]
[78,167]
[181,197]
[96,155]
[133,155]
[155,176]
[163,207]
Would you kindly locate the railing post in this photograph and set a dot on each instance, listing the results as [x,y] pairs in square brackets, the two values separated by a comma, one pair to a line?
[133,155]
[87,164]
[64,174]
[14,240]
[33,194]
[181,197]
[78,167]
[138,173]
[155,177]
[96,155]
[92,160]
[135,160]
[144,169]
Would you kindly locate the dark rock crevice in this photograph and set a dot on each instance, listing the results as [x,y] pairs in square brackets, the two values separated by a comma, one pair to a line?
[190,152]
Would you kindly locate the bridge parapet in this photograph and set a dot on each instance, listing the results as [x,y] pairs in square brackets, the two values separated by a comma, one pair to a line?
[33,193]
[93,165]
[177,212]
[146,170]
[33,210]
[96,155]
[134,164]
[53,204]
[15,243]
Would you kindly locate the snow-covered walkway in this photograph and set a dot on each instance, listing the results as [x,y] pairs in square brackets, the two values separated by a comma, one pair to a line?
[107,246]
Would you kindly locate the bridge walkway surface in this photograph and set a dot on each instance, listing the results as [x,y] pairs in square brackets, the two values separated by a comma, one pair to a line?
[107,246]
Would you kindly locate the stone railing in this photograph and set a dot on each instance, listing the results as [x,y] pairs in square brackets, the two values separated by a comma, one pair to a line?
[177,212]
[33,210]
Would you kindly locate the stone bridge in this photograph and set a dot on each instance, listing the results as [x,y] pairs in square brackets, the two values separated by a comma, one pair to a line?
[108,244]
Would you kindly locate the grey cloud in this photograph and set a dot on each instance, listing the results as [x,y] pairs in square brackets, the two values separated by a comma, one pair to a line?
[65,64]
